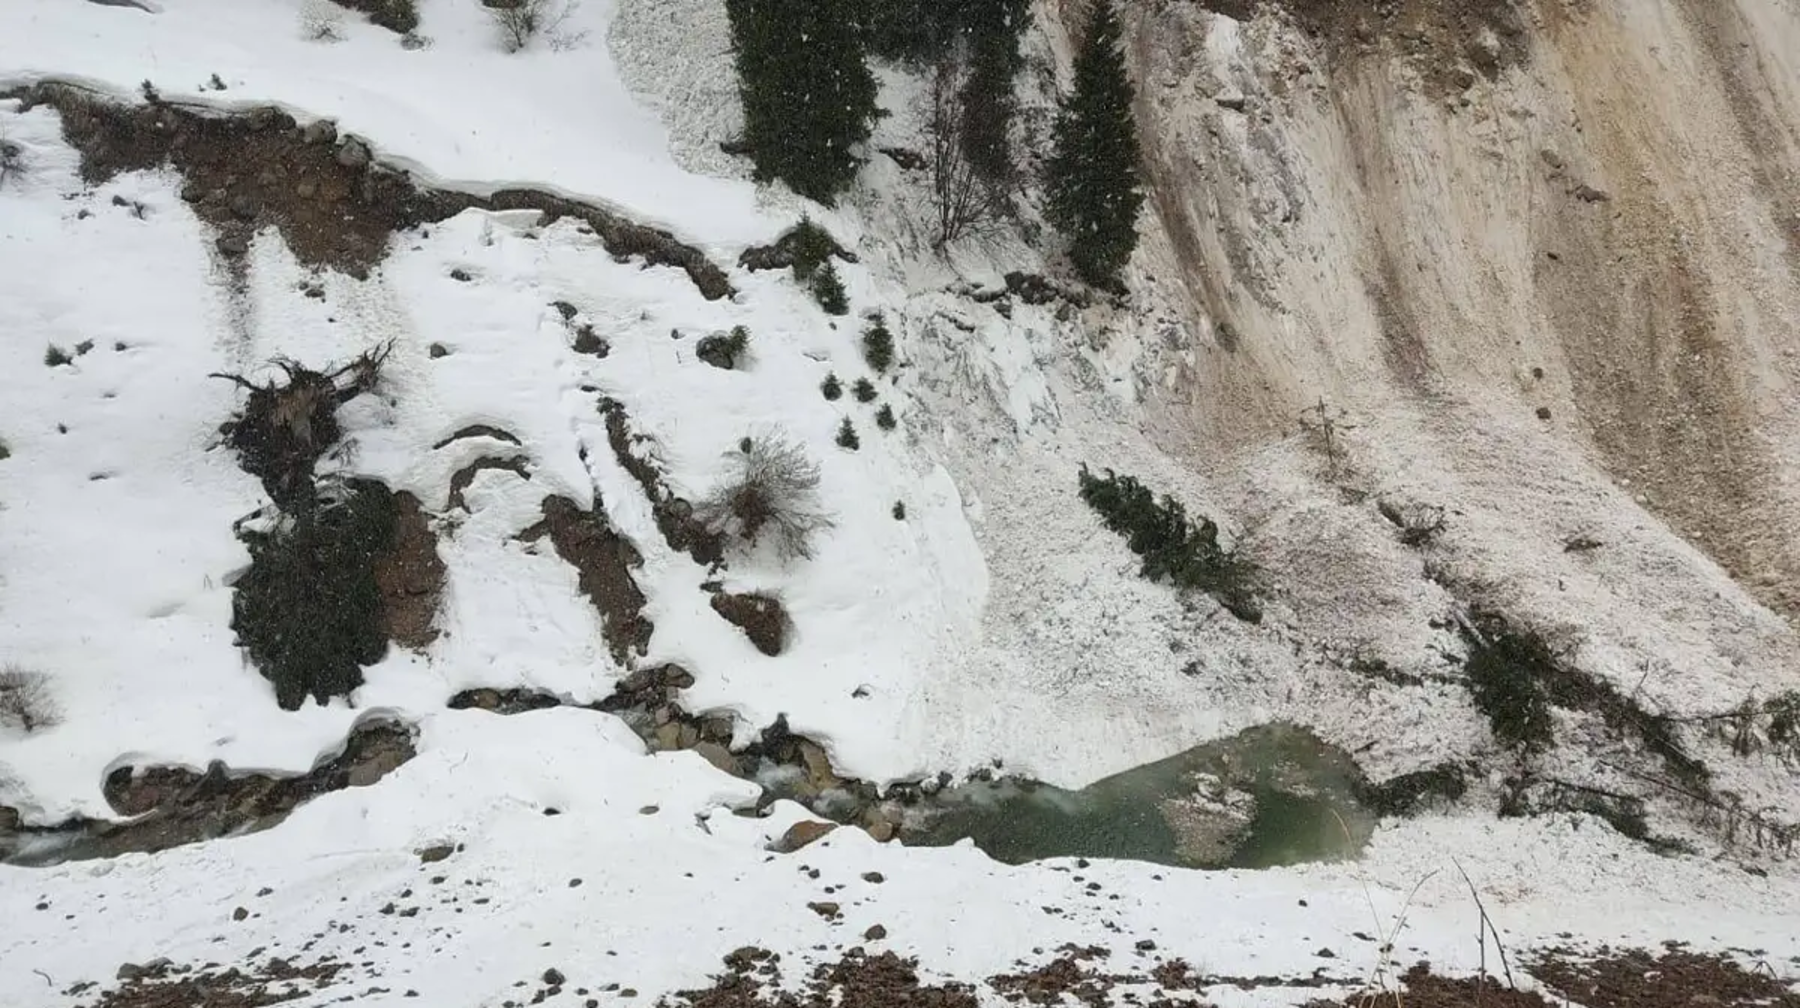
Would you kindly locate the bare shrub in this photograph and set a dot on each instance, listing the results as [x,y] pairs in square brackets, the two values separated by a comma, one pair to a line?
[966,199]
[26,702]
[321,21]
[520,22]
[1418,524]
[12,159]
[771,493]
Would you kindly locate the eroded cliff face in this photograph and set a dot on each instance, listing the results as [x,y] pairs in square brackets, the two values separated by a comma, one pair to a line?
[1582,213]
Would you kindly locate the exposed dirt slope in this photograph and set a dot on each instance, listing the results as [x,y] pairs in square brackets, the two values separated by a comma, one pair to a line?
[1587,211]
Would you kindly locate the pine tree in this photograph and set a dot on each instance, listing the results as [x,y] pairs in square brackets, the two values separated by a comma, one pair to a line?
[809,98]
[993,28]
[1094,181]
[828,290]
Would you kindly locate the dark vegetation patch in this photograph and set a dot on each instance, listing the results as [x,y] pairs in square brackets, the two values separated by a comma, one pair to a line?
[760,616]
[289,422]
[827,289]
[164,985]
[1412,792]
[1754,726]
[410,575]
[1031,289]
[674,515]
[332,202]
[878,346]
[1172,547]
[343,566]
[309,612]
[603,560]
[809,251]
[802,248]
[1507,672]
[172,806]
[399,16]
[1418,525]
[983,36]
[1634,978]
[725,350]
[1516,679]
[1448,42]
[1528,793]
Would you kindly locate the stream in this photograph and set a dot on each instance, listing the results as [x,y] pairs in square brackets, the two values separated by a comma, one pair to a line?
[1271,795]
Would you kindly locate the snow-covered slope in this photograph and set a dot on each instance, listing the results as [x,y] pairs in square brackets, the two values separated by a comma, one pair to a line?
[996,623]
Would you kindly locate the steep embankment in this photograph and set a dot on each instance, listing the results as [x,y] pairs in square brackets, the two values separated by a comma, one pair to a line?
[1587,211]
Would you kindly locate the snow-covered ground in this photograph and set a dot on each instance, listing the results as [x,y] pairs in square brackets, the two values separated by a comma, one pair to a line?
[996,622]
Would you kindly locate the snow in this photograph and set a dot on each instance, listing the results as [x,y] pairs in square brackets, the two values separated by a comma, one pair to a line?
[996,623]
[551,117]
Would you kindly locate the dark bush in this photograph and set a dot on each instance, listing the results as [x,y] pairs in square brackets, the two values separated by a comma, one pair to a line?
[1509,674]
[832,388]
[884,417]
[55,356]
[864,390]
[846,436]
[1172,547]
[309,610]
[725,350]
[878,346]
[287,424]
[26,702]
[810,246]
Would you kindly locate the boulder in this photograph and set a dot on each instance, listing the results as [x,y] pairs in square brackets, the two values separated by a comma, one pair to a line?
[800,835]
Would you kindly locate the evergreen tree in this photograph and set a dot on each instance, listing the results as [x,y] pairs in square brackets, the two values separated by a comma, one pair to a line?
[808,95]
[993,28]
[828,290]
[1093,177]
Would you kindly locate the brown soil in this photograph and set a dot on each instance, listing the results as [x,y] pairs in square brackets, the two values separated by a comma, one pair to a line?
[674,515]
[167,986]
[462,478]
[1442,39]
[1425,989]
[761,617]
[1635,978]
[332,203]
[603,560]
[858,980]
[411,576]
[1050,983]
[477,431]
